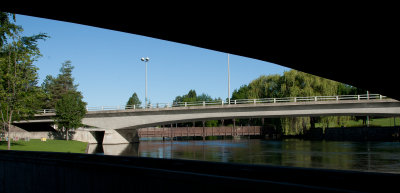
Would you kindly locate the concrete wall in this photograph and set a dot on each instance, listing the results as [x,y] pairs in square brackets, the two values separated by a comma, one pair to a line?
[80,134]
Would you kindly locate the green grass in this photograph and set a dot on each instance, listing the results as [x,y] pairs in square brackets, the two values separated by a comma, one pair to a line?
[378,122]
[49,145]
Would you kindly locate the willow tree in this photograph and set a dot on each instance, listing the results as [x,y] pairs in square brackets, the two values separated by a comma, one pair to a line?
[295,84]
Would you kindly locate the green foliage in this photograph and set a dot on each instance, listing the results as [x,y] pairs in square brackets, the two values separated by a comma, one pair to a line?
[18,76]
[8,29]
[55,88]
[192,97]
[212,123]
[295,84]
[241,93]
[70,110]
[134,100]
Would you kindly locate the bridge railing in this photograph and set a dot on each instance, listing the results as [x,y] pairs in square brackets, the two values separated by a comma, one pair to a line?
[233,102]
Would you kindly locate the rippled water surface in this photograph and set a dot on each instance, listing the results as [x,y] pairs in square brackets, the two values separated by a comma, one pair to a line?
[364,156]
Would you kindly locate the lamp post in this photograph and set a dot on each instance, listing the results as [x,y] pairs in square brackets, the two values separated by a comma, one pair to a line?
[145,60]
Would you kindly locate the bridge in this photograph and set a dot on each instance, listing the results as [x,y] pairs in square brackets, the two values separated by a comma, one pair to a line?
[120,123]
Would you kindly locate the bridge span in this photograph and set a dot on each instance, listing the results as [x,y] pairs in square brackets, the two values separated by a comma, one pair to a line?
[120,126]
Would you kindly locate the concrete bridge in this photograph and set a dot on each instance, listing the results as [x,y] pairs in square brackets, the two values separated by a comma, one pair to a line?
[120,126]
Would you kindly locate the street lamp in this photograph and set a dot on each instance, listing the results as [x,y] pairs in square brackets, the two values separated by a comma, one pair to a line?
[145,60]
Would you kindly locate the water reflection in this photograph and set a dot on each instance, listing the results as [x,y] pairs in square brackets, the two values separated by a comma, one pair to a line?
[365,156]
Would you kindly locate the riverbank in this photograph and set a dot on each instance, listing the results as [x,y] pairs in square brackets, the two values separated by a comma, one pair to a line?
[352,134]
[49,145]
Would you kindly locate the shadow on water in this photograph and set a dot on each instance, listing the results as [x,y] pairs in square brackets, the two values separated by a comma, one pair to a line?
[343,155]
[117,149]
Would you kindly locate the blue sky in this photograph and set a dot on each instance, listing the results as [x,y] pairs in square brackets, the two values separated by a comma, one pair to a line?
[108,67]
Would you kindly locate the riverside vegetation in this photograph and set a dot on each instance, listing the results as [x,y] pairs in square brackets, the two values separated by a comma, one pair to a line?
[291,83]
[20,95]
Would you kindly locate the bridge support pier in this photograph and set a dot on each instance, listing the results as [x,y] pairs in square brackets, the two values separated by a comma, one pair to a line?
[120,136]
[204,137]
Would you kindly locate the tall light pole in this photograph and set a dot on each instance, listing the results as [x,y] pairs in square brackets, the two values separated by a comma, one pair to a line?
[229,84]
[145,60]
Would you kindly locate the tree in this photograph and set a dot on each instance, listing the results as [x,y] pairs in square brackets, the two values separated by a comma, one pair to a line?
[70,110]
[134,100]
[7,28]
[55,88]
[193,97]
[18,75]
[295,84]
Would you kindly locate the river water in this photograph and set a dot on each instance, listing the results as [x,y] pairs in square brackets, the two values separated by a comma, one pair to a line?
[343,155]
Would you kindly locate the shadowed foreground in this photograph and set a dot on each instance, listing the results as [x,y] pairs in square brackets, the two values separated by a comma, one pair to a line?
[59,172]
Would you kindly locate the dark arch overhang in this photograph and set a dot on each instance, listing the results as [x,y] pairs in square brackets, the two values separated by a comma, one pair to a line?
[356,45]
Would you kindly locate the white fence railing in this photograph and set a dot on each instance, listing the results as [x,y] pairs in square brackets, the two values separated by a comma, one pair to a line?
[234,102]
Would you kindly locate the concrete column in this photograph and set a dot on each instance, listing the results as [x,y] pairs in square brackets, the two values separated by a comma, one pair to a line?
[170,132]
[204,124]
[234,128]
[162,134]
[120,136]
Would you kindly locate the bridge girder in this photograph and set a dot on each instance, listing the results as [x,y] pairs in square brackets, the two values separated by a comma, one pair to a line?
[129,119]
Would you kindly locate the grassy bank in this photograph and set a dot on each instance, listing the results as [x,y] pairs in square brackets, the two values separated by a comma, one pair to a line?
[378,122]
[49,145]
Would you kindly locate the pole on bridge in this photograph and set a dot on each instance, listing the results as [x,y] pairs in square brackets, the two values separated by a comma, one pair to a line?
[203,131]
[229,84]
[234,128]
[204,138]
[170,131]
[163,128]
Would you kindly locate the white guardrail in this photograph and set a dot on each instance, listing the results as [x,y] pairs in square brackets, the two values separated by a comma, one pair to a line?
[234,102]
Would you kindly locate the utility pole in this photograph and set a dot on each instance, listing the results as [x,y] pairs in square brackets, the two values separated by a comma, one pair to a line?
[229,84]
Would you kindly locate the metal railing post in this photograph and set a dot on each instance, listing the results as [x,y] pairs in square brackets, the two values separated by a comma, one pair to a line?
[295,100]
[274,100]
[204,103]
[222,103]
[185,104]
[337,98]
[235,102]
[255,101]
[358,97]
[315,99]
